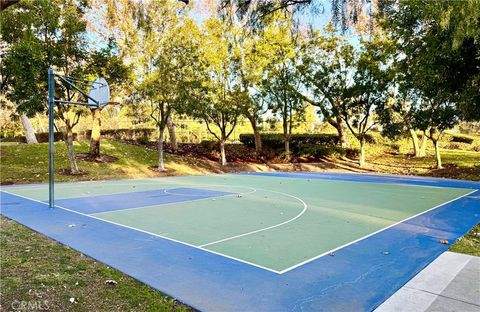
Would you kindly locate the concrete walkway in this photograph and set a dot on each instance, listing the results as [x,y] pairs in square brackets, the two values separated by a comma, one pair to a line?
[450,283]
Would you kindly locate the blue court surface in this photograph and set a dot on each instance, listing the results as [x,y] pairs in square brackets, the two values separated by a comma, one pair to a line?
[258,241]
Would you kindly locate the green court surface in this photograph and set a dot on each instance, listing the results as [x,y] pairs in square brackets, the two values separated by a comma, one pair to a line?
[270,222]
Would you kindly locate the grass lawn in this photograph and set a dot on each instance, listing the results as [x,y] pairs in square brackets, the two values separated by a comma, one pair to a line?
[469,244]
[40,272]
[23,163]
[458,164]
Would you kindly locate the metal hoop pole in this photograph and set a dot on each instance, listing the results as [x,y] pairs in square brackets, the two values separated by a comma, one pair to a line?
[51,138]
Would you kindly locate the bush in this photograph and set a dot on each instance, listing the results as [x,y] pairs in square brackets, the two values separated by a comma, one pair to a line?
[370,139]
[143,140]
[275,140]
[352,153]
[209,145]
[126,134]
[319,150]
[42,137]
[462,139]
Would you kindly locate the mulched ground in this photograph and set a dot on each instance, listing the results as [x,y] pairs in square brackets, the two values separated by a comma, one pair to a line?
[237,153]
[100,159]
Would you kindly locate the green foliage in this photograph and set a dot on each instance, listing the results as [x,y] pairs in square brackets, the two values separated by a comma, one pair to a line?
[107,63]
[440,61]
[126,134]
[209,145]
[308,150]
[220,99]
[462,139]
[276,140]
[42,137]
[327,63]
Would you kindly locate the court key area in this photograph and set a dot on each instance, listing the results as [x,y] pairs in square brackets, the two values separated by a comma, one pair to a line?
[262,241]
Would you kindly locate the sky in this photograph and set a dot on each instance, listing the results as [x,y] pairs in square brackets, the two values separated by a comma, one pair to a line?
[316,15]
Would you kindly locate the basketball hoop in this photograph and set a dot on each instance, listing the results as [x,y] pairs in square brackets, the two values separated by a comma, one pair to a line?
[97,98]
[99,94]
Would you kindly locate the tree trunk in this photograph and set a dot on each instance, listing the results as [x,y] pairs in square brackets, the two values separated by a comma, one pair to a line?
[28,129]
[161,164]
[96,133]
[437,154]
[423,146]
[416,146]
[342,133]
[71,152]
[172,133]
[256,134]
[222,153]
[287,149]
[361,160]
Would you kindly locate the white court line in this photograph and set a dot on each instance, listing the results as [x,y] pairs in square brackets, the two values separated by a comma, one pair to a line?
[121,182]
[252,190]
[371,234]
[134,189]
[267,228]
[150,233]
[247,262]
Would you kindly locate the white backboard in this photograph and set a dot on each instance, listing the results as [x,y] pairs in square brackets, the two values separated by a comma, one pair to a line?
[100,91]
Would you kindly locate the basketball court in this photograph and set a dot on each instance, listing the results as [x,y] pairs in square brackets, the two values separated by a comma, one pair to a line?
[258,241]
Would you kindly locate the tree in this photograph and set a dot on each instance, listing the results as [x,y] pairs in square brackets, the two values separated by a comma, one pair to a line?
[251,57]
[107,64]
[433,117]
[368,93]
[69,56]
[21,81]
[253,53]
[281,78]
[441,64]
[47,33]
[430,31]
[405,109]
[326,68]
[161,44]
[219,104]
[169,86]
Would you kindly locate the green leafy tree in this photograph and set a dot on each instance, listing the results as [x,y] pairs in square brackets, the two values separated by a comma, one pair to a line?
[446,34]
[153,36]
[437,52]
[50,34]
[170,86]
[326,67]
[368,94]
[281,79]
[23,28]
[220,103]
[434,116]
[108,64]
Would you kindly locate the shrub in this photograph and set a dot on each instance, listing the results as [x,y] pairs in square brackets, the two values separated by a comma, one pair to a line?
[352,152]
[143,140]
[319,150]
[42,137]
[275,140]
[462,139]
[209,145]
[125,134]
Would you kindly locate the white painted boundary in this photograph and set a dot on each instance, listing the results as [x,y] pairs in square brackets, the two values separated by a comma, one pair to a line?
[247,262]
[371,234]
[266,228]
